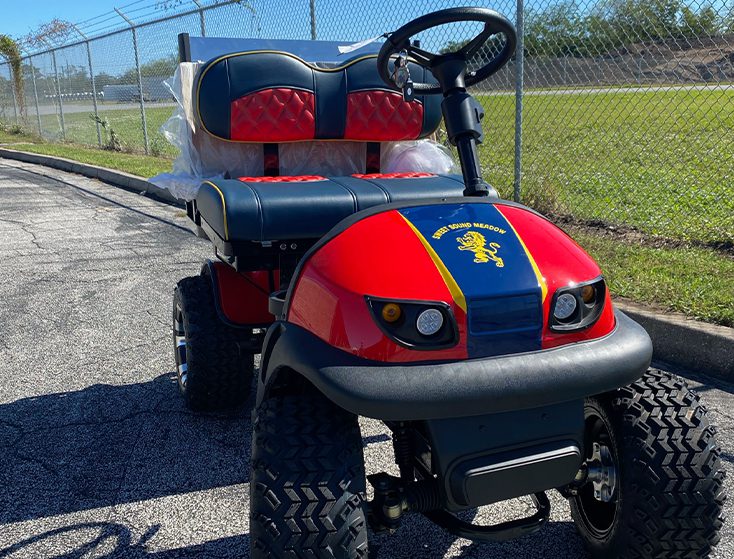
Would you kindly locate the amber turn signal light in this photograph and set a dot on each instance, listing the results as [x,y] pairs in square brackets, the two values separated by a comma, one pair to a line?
[391,312]
[588,294]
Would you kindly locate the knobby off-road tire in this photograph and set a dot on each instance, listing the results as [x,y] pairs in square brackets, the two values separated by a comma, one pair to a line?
[670,494]
[307,480]
[213,374]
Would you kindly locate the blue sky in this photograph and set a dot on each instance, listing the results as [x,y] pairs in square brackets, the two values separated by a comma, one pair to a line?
[340,20]
[20,17]
[364,15]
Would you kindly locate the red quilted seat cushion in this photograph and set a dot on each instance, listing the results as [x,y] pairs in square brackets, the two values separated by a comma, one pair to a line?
[273,115]
[413,175]
[382,116]
[299,178]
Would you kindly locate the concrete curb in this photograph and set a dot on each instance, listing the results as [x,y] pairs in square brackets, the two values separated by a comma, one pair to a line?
[686,343]
[115,178]
[691,345]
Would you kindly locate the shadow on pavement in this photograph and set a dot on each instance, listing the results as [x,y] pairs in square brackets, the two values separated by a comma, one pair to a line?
[703,382]
[418,538]
[708,384]
[111,540]
[107,540]
[556,539]
[103,445]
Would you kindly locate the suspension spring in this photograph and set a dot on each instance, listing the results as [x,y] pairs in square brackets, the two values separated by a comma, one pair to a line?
[423,496]
[403,445]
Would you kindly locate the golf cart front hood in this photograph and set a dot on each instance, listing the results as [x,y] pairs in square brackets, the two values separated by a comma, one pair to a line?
[496,265]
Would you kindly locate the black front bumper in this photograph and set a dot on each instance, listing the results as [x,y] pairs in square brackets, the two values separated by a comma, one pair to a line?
[419,391]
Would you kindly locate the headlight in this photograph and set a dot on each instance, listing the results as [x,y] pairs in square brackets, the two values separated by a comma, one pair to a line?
[578,306]
[416,324]
[429,322]
[566,305]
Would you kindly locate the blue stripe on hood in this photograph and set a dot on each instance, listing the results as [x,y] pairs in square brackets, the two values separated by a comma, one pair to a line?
[492,269]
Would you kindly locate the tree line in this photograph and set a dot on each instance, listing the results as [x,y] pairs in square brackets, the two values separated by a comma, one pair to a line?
[566,28]
[75,78]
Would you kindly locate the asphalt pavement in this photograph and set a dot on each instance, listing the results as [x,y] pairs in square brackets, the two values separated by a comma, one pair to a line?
[98,456]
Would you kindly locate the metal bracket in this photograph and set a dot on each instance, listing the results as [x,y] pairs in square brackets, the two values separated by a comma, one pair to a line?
[394,497]
[497,532]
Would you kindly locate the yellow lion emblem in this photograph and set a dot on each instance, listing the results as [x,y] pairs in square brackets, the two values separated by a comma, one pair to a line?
[476,243]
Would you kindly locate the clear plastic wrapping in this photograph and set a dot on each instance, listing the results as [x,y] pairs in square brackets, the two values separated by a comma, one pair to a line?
[204,157]
[417,156]
[201,156]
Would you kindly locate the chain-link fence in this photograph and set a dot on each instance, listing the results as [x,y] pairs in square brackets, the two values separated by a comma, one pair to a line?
[618,112]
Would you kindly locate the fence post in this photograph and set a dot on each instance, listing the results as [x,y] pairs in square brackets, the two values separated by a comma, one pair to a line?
[94,86]
[15,98]
[140,79]
[519,70]
[35,94]
[94,94]
[58,94]
[312,8]
[202,21]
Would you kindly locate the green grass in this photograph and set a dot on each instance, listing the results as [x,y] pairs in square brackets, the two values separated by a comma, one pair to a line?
[661,162]
[126,123]
[694,281]
[16,136]
[141,165]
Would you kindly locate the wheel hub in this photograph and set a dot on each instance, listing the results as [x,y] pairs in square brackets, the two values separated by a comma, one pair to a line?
[179,340]
[602,473]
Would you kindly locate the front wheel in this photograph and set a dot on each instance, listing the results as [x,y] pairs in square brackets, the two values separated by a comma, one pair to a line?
[307,480]
[659,483]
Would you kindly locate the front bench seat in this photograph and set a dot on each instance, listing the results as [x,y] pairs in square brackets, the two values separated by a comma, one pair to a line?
[307,207]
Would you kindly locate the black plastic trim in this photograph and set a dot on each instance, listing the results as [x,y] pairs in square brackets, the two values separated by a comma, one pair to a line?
[184,47]
[589,316]
[251,256]
[449,333]
[275,303]
[434,390]
[460,444]
[497,477]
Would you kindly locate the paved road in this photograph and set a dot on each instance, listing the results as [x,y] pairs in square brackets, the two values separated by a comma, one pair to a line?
[98,457]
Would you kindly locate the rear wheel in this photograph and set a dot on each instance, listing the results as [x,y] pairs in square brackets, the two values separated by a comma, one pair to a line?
[307,480]
[660,484]
[213,372]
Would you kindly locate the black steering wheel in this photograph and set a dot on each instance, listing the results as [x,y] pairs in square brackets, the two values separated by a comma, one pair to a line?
[400,40]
